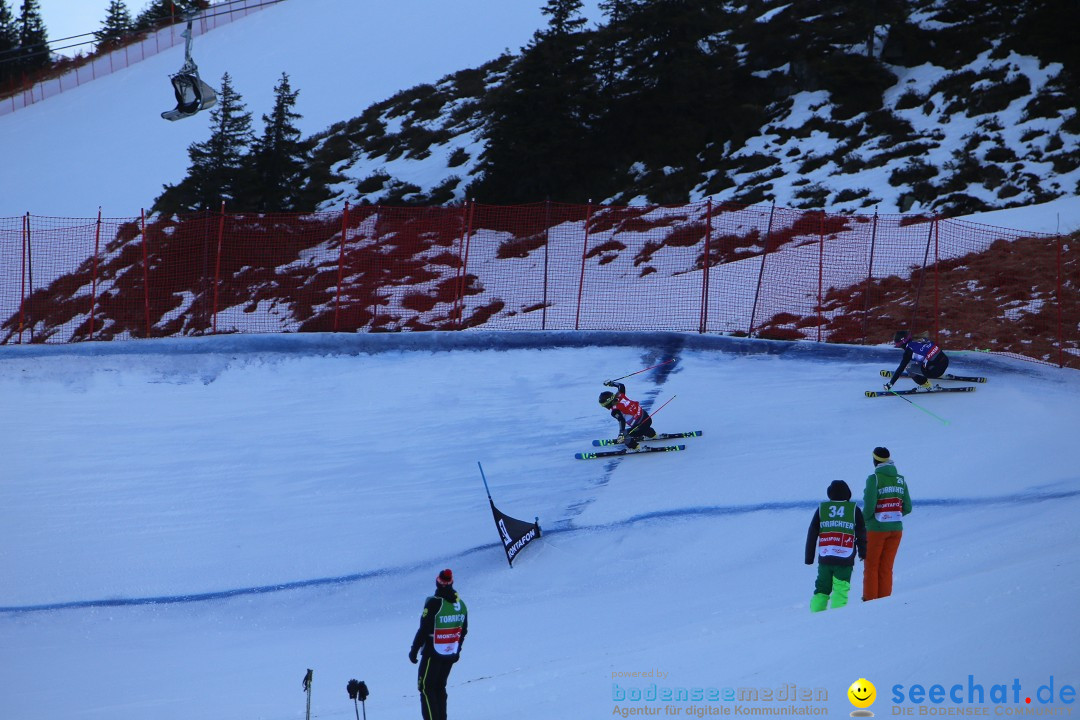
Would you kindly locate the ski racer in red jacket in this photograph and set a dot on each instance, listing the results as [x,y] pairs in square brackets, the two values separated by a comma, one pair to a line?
[634,423]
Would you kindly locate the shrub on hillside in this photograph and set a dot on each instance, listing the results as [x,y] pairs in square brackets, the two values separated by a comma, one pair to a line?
[998,97]
[855,82]
[909,100]
[915,171]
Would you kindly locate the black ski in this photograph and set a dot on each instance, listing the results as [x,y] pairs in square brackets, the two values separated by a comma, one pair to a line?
[946,376]
[641,450]
[919,391]
[658,436]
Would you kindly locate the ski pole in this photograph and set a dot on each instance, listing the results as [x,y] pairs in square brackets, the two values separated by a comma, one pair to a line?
[645,370]
[358,691]
[307,690]
[937,417]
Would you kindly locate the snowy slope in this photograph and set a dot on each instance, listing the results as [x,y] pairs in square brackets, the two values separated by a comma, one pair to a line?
[318,483]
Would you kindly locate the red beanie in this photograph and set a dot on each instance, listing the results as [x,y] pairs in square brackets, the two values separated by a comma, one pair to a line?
[446,577]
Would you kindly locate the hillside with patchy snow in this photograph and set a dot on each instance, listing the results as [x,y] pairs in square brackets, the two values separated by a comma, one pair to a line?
[941,111]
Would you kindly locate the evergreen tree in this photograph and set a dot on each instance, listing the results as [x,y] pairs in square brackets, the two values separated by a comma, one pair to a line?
[9,43]
[611,42]
[33,38]
[117,24]
[539,119]
[277,158]
[162,13]
[615,10]
[217,170]
[674,95]
[564,16]
[1047,32]
[157,14]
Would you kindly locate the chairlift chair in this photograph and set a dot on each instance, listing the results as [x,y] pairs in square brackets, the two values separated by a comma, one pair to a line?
[192,94]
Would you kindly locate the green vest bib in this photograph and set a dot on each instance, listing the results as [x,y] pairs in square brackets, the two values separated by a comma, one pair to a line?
[890,498]
[448,623]
[836,537]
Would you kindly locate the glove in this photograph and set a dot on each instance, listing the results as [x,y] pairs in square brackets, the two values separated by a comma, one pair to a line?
[608,383]
[620,440]
[455,657]
[357,690]
[412,656]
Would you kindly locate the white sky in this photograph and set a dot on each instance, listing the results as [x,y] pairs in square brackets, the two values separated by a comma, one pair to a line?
[65,18]
[239,465]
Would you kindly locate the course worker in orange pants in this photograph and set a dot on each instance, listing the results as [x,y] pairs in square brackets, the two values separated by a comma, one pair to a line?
[885,501]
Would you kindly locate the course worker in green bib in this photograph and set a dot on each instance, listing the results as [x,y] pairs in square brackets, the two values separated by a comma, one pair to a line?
[887,500]
[443,626]
[837,532]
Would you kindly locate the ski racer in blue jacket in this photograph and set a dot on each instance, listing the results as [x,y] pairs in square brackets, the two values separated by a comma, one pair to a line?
[930,360]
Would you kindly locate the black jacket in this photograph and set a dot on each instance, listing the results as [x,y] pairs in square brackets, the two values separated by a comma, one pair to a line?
[620,391]
[815,530]
[426,631]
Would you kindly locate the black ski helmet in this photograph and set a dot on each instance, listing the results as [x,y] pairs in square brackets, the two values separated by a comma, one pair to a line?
[901,337]
[607,399]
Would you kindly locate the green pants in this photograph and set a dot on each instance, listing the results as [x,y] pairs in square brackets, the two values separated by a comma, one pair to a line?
[834,580]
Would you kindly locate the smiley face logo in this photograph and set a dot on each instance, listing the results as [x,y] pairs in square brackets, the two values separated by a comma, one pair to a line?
[862,693]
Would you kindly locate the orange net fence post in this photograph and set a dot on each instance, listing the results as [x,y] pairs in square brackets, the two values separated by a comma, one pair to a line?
[94,275]
[145,275]
[1068,306]
[466,234]
[217,264]
[584,256]
[341,266]
[466,245]
[1060,303]
[704,305]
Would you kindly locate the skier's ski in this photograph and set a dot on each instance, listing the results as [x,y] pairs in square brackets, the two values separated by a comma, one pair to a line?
[641,450]
[658,436]
[946,376]
[918,391]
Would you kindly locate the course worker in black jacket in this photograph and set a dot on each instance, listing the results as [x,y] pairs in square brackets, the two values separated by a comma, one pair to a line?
[837,532]
[444,623]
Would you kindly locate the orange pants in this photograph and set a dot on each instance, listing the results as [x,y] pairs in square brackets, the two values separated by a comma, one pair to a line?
[881,550]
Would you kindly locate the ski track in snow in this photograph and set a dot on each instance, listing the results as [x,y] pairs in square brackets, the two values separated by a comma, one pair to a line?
[563,527]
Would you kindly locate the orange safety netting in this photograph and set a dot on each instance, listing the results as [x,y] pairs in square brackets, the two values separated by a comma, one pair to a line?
[760,271]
